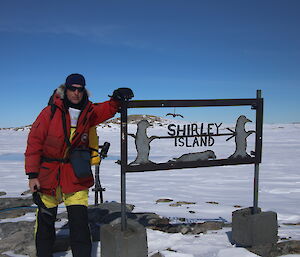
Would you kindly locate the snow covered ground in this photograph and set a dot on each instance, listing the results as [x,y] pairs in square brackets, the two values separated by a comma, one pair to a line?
[216,191]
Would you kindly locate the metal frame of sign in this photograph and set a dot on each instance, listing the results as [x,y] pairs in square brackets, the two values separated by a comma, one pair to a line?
[255,104]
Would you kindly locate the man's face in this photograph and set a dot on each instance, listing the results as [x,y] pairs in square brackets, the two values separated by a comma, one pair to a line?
[75,93]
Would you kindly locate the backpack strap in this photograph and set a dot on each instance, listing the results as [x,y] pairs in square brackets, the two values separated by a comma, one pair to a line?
[65,129]
[53,110]
[51,103]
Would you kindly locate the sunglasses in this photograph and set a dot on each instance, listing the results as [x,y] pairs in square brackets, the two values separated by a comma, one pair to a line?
[72,88]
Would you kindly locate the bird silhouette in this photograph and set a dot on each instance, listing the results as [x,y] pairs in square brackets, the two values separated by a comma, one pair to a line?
[174,114]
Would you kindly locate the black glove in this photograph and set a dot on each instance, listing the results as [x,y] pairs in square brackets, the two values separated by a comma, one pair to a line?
[122,94]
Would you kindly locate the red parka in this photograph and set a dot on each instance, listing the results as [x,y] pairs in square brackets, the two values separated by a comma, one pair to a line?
[47,140]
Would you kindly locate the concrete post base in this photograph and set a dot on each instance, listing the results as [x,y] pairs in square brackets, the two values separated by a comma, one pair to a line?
[254,229]
[129,243]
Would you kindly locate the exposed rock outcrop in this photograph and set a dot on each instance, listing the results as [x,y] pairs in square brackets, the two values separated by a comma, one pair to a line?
[18,236]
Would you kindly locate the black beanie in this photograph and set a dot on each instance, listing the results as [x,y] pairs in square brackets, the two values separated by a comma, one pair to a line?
[75,78]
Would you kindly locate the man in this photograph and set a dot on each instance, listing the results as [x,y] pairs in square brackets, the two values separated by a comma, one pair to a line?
[60,129]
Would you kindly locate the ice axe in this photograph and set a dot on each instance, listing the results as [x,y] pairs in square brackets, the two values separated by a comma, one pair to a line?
[98,188]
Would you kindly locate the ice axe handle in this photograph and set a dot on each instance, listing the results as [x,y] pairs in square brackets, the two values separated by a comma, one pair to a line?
[104,150]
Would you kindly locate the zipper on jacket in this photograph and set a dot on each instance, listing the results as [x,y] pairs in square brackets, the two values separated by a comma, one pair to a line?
[58,177]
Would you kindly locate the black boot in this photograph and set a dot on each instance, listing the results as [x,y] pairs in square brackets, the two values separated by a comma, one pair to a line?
[79,231]
[45,232]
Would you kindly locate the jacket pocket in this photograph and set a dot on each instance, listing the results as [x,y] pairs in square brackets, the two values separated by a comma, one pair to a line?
[47,174]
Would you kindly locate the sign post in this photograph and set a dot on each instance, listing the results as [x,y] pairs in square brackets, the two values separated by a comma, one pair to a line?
[258,148]
[124,160]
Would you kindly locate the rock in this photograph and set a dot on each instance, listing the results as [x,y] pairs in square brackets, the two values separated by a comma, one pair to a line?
[165,200]
[159,221]
[198,229]
[9,228]
[185,230]
[175,204]
[158,254]
[113,207]
[291,224]
[12,205]
[14,213]
[289,247]
[237,206]
[278,249]
[17,236]
[194,228]
[151,219]
[171,250]
[227,225]
[212,202]
[110,217]
[97,214]
[213,225]
[184,202]
[12,202]
[148,216]
[171,229]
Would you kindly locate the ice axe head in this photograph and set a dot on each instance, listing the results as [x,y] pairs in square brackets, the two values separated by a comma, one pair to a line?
[104,150]
[38,201]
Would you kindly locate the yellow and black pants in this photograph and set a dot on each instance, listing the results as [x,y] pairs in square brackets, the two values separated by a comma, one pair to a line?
[80,239]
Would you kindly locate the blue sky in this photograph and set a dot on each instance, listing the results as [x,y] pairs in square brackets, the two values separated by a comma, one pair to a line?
[162,49]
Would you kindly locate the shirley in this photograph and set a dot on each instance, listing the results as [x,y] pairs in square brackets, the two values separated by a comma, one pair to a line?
[194,129]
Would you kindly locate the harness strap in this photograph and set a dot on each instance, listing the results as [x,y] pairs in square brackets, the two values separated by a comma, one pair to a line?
[47,159]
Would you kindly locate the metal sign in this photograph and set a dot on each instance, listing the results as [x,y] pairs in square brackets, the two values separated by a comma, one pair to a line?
[192,135]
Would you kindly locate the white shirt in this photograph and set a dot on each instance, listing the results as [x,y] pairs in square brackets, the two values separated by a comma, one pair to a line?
[74,114]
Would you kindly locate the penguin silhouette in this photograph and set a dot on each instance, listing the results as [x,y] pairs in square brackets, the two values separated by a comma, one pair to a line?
[241,138]
[142,143]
